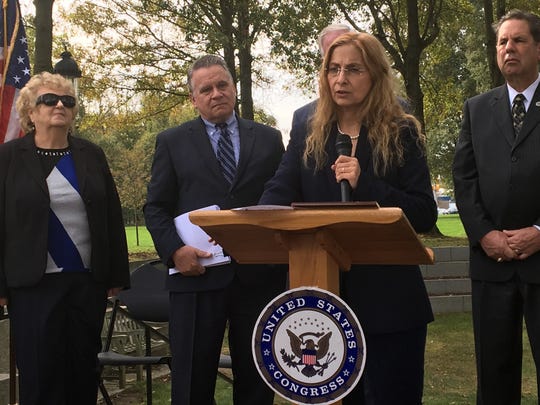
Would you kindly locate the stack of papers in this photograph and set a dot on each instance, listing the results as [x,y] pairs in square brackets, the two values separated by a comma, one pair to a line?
[193,235]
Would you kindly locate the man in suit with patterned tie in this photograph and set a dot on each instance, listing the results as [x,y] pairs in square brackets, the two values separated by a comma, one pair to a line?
[496,170]
[217,158]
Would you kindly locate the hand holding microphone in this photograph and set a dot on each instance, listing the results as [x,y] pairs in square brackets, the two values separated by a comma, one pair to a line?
[344,147]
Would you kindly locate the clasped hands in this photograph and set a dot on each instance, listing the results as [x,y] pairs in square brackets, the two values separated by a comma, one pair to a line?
[507,245]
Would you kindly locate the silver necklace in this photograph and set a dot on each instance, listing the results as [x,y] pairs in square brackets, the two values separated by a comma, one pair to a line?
[53,152]
[353,138]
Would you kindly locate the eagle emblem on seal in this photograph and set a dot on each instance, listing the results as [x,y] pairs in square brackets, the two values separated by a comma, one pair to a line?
[309,352]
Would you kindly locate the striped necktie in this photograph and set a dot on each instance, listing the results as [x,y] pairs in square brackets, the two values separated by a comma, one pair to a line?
[518,113]
[225,153]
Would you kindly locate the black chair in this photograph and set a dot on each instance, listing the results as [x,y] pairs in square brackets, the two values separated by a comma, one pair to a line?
[146,302]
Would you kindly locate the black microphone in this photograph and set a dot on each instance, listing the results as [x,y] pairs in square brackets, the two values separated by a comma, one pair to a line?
[344,147]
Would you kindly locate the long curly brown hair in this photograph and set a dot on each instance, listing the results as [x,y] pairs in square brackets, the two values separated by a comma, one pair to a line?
[381,111]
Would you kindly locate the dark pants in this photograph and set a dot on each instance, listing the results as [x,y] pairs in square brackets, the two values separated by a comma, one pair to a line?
[196,329]
[57,327]
[394,371]
[498,312]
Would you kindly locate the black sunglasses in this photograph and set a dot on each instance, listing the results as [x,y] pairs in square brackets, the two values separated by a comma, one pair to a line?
[51,100]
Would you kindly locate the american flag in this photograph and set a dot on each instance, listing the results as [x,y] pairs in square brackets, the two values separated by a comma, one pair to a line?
[309,357]
[14,68]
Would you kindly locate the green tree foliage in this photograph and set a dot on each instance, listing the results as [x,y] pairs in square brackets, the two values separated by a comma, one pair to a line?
[134,72]
[294,38]
[447,81]
[128,140]
[406,29]
[136,53]
[144,47]
[132,173]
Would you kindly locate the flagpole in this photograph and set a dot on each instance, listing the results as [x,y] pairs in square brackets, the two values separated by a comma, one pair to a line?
[7,51]
[15,68]
[4,45]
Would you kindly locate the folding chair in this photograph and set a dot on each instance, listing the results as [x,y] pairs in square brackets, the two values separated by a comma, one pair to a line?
[146,301]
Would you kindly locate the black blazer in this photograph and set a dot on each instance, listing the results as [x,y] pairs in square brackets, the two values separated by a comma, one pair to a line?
[496,179]
[186,176]
[302,115]
[385,298]
[24,214]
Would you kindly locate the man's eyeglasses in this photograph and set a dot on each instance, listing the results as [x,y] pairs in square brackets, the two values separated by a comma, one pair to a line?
[335,71]
[51,100]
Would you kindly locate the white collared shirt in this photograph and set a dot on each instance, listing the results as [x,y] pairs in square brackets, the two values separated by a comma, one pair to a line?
[528,93]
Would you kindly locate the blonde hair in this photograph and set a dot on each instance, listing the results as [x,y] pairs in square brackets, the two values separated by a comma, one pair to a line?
[381,111]
[26,101]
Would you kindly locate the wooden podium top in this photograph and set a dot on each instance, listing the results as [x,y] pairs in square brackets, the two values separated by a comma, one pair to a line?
[369,235]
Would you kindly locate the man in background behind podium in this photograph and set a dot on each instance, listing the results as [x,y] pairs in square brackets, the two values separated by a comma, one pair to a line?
[187,175]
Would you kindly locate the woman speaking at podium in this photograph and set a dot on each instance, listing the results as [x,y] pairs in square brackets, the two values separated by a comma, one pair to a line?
[387,164]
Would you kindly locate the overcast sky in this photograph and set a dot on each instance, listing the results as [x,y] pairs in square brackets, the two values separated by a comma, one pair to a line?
[278,99]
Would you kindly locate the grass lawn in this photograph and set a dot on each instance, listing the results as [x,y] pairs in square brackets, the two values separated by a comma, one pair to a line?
[450,372]
[451,233]
[140,244]
[450,376]
[450,225]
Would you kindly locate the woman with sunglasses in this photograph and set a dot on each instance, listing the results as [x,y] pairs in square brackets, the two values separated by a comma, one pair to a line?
[387,164]
[62,246]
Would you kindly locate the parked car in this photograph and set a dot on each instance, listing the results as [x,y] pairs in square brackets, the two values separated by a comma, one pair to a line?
[452,209]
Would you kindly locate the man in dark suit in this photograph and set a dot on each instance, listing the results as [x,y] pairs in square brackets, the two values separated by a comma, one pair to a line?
[188,174]
[496,167]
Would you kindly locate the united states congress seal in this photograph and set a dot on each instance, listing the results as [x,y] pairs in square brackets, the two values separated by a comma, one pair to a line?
[309,346]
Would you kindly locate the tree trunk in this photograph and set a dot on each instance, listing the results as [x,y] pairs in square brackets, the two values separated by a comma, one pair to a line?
[228,41]
[245,62]
[137,227]
[43,43]
[491,42]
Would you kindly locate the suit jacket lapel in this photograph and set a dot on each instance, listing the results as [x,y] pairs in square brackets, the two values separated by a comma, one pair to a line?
[31,160]
[502,113]
[247,142]
[532,118]
[80,161]
[201,144]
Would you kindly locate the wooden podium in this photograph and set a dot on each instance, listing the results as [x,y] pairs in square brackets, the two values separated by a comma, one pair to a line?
[316,242]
